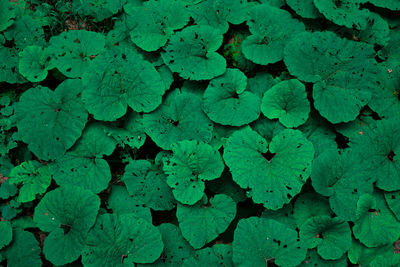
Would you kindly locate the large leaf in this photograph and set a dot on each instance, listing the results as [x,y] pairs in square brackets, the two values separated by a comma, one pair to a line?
[337,67]
[331,236]
[5,233]
[180,117]
[375,225]
[287,101]
[84,165]
[121,240]
[120,79]
[203,222]
[344,12]
[67,213]
[7,15]
[192,53]
[271,28]
[51,121]
[380,151]
[273,173]
[147,183]
[176,248]
[23,251]
[227,102]
[34,62]
[34,178]
[120,202]
[259,241]
[154,22]
[73,51]
[343,182]
[192,164]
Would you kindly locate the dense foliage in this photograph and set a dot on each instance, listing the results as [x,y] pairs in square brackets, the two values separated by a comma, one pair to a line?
[199,133]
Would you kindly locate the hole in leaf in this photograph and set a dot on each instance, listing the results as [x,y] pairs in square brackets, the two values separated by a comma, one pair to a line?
[268,156]
[66,228]
[319,235]
[175,123]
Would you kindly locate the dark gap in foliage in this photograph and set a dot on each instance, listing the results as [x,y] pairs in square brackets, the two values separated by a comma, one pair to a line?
[163,216]
[9,43]
[341,141]
[391,155]
[178,81]
[383,12]
[104,199]
[149,150]
[375,116]
[53,79]
[245,209]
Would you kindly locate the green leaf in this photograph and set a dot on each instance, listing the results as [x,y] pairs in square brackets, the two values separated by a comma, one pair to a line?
[132,132]
[313,259]
[147,183]
[375,225]
[5,233]
[192,164]
[203,222]
[259,241]
[272,173]
[217,255]
[25,31]
[344,13]
[99,9]
[309,56]
[343,182]
[121,240]
[379,149]
[310,205]
[34,178]
[9,66]
[393,203]
[179,117]
[67,213]
[23,251]
[72,51]
[7,15]
[389,4]
[176,248]
[271,28]
[7,190]
[225,185]
[154,22]
[286,101]
[192,53]
[320,133]
[34,63]
[227,102]
[121,78]
[304,8]
[84,165]
[217,13]
[360,254]
[42,115]
[122,203]
[331,236]
[385,97]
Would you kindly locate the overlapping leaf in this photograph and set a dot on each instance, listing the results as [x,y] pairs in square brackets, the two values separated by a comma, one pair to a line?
[227,102]
[192,164]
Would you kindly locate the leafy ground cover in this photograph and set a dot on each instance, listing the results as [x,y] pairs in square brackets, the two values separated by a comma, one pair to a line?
[199,133]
